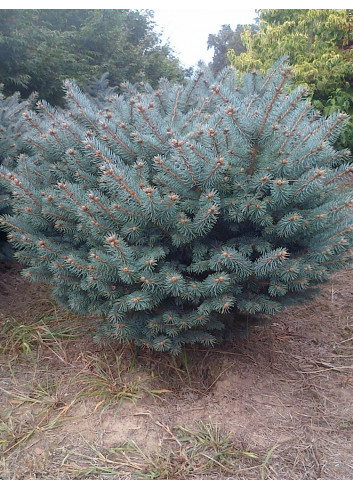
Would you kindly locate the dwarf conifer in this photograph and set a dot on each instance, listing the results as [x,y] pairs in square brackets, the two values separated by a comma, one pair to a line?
[170,210]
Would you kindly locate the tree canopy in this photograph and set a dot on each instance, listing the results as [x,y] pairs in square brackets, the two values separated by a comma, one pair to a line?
[39,49]
[225,40]
[319,43]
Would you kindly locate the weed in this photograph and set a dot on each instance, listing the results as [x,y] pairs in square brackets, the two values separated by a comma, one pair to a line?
[39,408]
[200,453]
[18,337]
[46,394]
[346,424]
[127,459]
[13,433]
[208,443]
[183,356]
[112,383]
[263,466]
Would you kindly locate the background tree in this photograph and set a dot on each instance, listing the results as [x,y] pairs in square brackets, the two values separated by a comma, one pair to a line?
[319,43]
[225,40]
[39,49]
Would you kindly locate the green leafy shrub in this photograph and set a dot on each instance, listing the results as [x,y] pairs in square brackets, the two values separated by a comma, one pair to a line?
[169,211]
[319,45]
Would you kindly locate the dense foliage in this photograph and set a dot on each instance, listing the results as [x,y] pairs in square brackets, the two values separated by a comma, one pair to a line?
[169,211]
[319,43]
[39,49]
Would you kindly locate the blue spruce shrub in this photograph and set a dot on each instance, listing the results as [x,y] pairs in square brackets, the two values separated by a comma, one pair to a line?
[11,145]
[171,210]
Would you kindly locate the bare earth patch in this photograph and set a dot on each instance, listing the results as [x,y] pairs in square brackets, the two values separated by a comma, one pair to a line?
[276,405]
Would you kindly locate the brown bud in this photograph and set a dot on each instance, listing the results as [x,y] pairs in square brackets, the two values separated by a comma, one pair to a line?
[220,279]
[175,278]
[212,209]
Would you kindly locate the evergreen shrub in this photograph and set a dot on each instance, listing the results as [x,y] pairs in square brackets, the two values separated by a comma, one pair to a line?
[173,212]
[11,144]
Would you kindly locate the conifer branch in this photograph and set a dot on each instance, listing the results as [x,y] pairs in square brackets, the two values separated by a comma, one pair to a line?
[293,105]
[63,187]
[264,120]
[178,145]
[289,134]
[42,107]
[197,153]
[317,174]
[12,178]
[203,106]
[219,164]
[285,71]
[334,158]
[34,124]
[309,153]
[346,171]
[158,95]
[115,243]
[116,139]
[217,91]
[96,200]
[231,111]
[67,126]
[341,117]
[194,85]
[160,163]
[81,111]
[142,110]
[174,112]
[120,179]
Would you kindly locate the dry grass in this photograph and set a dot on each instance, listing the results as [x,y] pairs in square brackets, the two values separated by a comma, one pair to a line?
[106,378]
[197,452]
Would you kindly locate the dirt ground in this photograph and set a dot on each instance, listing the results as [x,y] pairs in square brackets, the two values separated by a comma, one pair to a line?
[275,405]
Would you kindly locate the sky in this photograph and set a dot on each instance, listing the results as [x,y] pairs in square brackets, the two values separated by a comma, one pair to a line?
[187,30]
